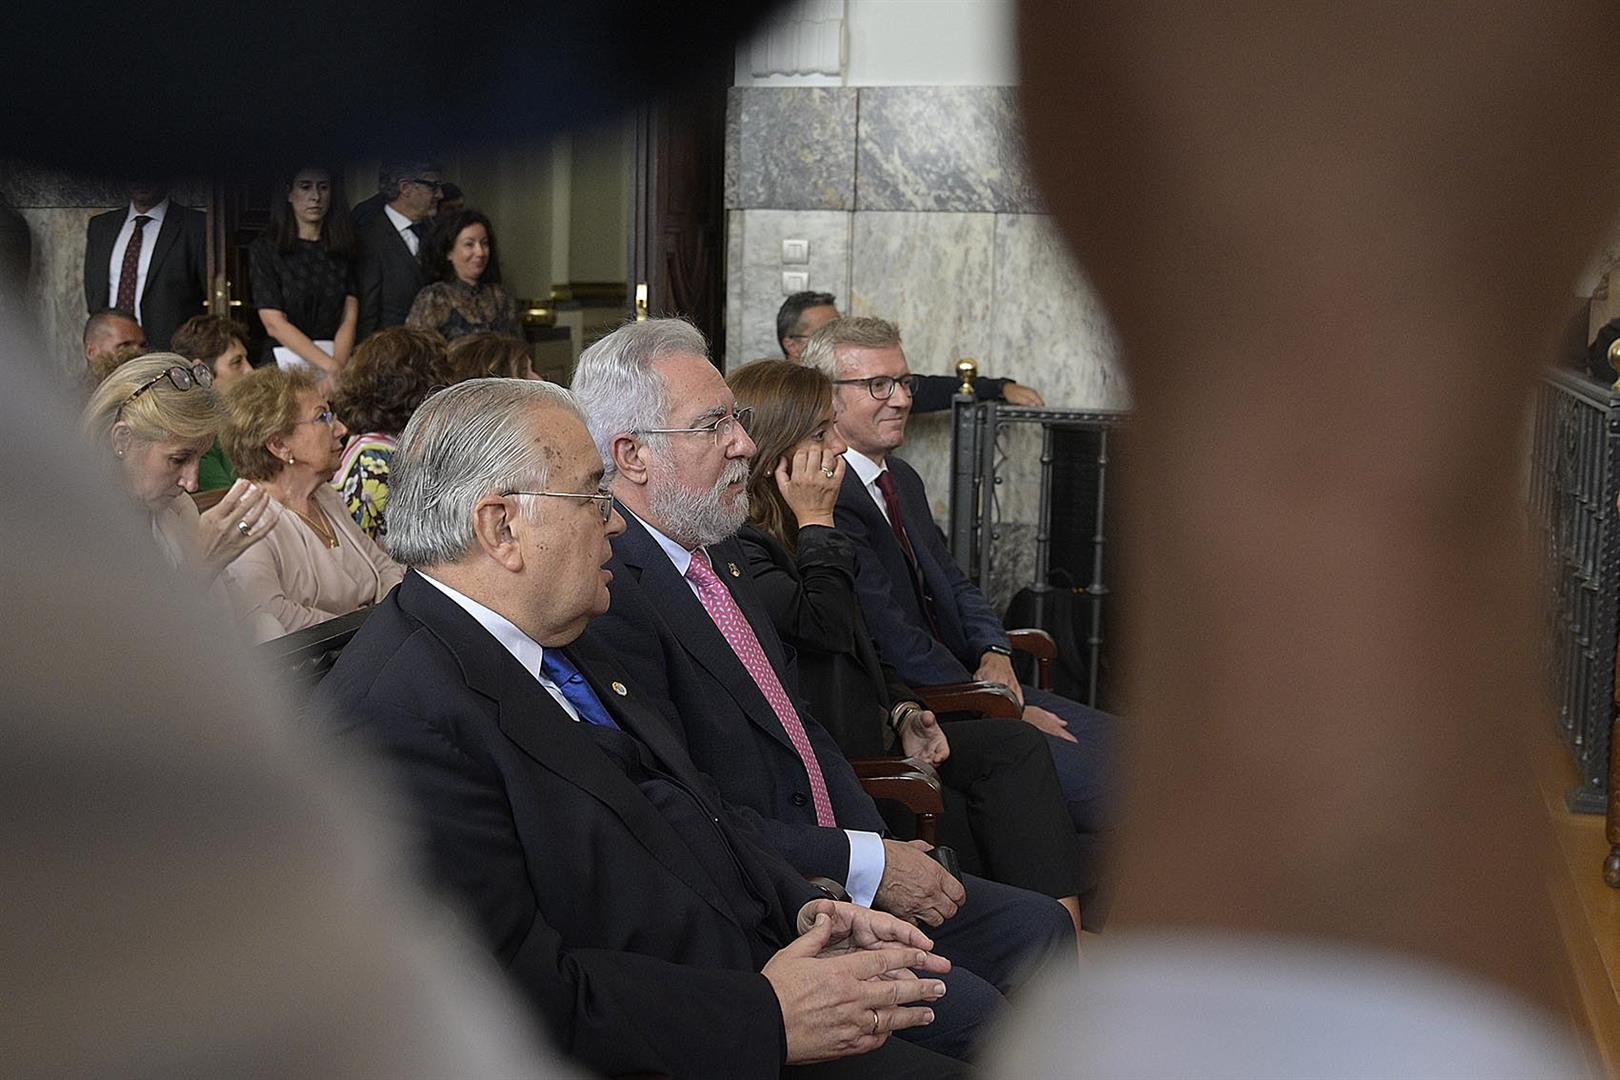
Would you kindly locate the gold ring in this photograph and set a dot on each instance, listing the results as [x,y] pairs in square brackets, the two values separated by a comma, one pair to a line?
[875,1021]
[829,473]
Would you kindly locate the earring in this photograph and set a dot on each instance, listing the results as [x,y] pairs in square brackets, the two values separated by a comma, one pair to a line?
[290,460]
[120,453]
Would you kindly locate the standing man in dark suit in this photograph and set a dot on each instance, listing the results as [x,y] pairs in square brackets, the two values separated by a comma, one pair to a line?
[647,928]
[685,618]
[150,258]
[930,622]
[390,267]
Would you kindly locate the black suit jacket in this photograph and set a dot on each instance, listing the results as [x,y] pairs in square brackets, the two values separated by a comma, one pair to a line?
[967,623]
[586,893]
[390,276]
[176,278]
[660,630]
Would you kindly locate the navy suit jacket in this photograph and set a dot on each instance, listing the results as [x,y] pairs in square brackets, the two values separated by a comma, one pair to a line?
[176,278]
[660,630]
[967,623]
[390,276]
[587,894]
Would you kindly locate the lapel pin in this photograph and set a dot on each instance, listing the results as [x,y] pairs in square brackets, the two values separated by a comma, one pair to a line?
[618,688]
[733,568]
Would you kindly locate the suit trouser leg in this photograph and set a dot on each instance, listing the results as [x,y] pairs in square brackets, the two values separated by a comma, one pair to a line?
[894,1060]
[1013,807]
[1087,772]
[997,941]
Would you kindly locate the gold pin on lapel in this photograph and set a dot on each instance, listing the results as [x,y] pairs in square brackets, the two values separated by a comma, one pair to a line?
[618,688]
[733,568]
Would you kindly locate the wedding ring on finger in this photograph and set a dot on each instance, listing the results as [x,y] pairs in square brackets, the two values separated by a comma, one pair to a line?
[875,1021]
[243,527]
[829,473]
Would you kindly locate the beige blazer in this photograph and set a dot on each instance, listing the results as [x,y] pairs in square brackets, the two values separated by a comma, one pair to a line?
[295,579]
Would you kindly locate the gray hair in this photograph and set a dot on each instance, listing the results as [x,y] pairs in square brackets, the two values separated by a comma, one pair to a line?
[395,173]
[616,386]
[856,331]
[464,443]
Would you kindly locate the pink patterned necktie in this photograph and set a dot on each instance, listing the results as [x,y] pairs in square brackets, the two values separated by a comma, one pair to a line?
[733,626]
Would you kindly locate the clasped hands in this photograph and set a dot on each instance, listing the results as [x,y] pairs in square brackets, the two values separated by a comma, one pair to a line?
[850,979]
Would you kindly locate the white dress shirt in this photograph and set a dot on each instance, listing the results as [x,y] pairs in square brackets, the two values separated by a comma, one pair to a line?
[149,235]
[524,649]
[868,471]
[866,857]
[403,225]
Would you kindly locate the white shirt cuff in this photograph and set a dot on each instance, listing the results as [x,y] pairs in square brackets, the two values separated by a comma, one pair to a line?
[866,861]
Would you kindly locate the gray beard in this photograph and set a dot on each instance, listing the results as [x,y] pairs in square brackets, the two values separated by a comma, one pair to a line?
[700,518]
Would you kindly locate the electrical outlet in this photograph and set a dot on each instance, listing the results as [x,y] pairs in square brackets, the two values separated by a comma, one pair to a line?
[795,281]
[796,251]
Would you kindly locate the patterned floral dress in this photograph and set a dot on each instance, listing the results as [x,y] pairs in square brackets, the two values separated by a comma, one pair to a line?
[362,481]
[456,309]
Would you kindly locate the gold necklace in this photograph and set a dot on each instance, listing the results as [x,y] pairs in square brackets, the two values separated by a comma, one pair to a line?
[324,530]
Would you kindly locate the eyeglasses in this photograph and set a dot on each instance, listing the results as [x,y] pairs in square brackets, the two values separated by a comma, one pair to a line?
[722,427]
[325,416]
[882,386]
[436,185]
[603,499]
[181,378]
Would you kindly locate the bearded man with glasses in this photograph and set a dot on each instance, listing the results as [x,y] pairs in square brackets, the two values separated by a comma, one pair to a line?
[686,618]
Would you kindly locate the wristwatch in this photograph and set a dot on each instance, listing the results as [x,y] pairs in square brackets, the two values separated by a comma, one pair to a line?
[1000,650]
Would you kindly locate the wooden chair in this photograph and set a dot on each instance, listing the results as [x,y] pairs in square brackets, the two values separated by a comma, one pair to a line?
[914,783]
[992,699]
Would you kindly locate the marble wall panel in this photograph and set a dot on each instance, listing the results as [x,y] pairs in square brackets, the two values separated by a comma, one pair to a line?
[55,289]
[754,272]
[1048,327]
[941,148]
[790,148]
[933,275]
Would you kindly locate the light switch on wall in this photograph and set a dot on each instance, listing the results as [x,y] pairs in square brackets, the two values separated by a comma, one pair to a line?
[795,251]
[795,281]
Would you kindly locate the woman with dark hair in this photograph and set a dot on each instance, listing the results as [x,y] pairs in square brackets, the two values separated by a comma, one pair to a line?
[303,275]
[466,294]
[488,355]
[393,371]
[1005,813]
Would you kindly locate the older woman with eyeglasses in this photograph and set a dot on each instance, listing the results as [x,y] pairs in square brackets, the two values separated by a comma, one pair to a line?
[156,416]
[315,564]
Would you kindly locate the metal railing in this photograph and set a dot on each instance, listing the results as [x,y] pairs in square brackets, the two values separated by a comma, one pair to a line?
[1574,481]
[978,466]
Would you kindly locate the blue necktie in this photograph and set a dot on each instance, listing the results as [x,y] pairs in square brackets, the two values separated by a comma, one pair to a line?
[557,667]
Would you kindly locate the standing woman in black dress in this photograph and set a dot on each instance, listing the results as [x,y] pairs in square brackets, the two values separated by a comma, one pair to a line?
[303,279]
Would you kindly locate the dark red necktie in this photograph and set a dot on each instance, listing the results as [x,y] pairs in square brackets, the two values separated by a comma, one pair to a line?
[891,500]
[131,267]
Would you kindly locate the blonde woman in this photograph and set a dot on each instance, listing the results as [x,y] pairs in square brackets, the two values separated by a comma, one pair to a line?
[315,564]
[156,416]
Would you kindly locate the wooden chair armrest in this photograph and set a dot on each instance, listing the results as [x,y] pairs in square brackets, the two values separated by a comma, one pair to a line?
[1039,644]
[912,783]
[979,698]
[1033,640]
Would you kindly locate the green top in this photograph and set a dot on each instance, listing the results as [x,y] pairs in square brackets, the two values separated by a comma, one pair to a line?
[214,470]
